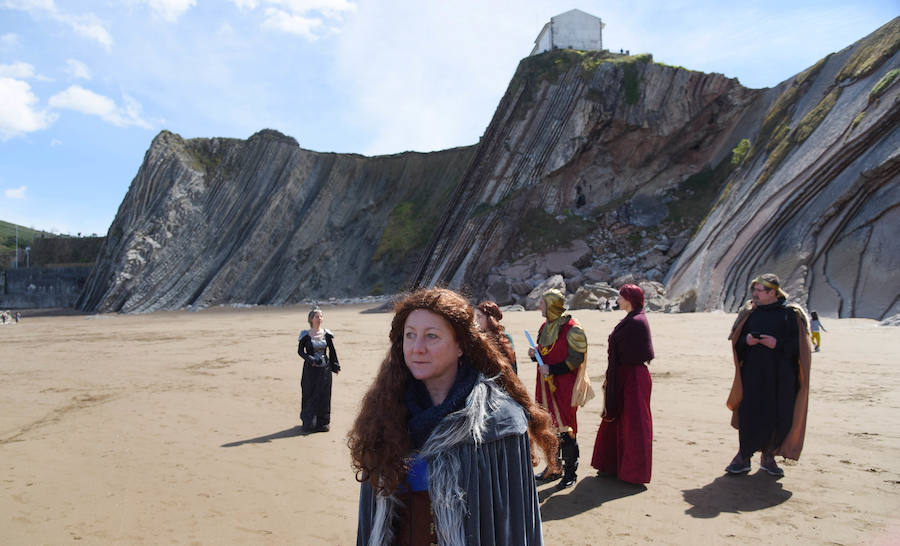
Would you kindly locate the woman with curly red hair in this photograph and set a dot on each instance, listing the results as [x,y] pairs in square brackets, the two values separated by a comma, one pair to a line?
[443,440]
[624,443]
[488,316]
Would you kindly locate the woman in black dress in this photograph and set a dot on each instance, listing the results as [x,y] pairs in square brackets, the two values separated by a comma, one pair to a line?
[316,348]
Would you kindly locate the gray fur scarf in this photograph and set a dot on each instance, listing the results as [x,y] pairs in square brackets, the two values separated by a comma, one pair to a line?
[448,499]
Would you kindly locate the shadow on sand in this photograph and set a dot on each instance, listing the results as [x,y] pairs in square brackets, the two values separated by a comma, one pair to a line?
[734,494]
[588,493]
[286,433]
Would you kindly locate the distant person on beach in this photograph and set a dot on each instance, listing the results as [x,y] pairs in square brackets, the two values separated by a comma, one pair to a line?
[443,441]
[770,392]
[814,326]
[488,316]
[316,348]
[624,444]
[562,381]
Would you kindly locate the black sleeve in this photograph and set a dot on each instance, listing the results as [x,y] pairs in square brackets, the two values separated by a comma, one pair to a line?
[788,346]
[335,365]
[303,350]
[334,356]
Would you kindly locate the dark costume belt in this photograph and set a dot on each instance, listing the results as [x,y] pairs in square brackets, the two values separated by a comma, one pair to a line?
[324,360]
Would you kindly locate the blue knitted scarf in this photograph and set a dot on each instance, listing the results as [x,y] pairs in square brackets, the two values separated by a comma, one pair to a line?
[424,416]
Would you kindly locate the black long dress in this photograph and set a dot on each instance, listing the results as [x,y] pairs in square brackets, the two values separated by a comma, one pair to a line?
[319,363]
[769,378]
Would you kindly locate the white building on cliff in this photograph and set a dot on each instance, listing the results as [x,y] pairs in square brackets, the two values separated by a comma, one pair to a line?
[573,29]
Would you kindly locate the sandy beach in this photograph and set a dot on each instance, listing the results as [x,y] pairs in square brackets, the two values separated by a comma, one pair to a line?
[182,428]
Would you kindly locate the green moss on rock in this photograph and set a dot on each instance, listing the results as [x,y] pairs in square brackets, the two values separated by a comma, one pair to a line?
[883,84]
[540,231]
[406,229]
[874,50]
[798,134]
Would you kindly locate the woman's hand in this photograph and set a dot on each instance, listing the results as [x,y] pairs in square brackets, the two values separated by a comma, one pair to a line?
[545,370]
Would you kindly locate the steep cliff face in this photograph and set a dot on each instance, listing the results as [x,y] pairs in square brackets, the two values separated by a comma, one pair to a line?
[262,221]
[596,166]
[635,159]
[817,199]
[594,146]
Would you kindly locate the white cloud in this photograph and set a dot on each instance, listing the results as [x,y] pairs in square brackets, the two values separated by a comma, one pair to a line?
[304,18]
[18,70]
[170,10]
[18,114]
[78,69]
[87,25]
[16,193]
[87,102]
[277,19]
[10,41]
[54,142]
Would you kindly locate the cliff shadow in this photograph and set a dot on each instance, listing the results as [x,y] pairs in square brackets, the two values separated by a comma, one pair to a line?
[588,493]
[734,494]
[286,433]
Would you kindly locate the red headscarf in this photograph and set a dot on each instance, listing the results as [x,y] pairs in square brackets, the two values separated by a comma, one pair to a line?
[634,295]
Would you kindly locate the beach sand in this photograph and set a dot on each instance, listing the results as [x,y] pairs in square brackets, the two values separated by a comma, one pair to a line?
[182,428]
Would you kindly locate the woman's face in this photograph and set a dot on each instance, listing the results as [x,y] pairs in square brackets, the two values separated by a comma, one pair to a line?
[316,321]
[430,348]
[481,320]
[542,305]
[624,304]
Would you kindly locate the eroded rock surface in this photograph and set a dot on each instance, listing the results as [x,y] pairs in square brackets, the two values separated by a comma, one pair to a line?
[262,221]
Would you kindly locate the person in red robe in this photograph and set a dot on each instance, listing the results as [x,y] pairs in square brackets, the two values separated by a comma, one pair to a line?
[562,384]
[624,444]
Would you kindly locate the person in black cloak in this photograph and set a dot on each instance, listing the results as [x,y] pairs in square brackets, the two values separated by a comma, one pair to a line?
[443,441]
[770,392]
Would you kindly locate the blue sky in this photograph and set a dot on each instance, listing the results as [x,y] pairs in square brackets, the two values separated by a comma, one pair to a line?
[85,85]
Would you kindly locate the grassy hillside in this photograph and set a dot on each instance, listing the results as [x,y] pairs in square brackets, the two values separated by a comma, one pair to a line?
[26,236]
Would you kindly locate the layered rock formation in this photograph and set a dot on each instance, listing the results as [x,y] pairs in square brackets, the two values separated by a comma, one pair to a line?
[616,153]
[262,221]
[635,158]
[596,167]
[817,200]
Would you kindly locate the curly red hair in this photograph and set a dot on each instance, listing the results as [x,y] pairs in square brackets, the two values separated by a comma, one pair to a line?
[379,440]
[496,332]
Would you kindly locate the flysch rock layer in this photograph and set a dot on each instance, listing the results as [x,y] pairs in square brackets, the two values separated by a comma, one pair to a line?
[262,221]
[597,169]
[620,142]
[826,219]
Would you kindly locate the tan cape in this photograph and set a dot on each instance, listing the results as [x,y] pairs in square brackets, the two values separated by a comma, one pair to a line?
[793,442]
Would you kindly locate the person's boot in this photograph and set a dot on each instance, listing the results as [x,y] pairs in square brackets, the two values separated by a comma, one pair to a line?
[547,476]
[767,463]
[570,452]
[738,465]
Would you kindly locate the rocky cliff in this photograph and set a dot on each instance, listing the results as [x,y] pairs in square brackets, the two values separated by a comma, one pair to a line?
[817,199]
[262,221]
[595,167]
[661,173]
